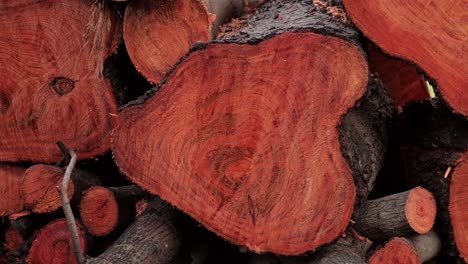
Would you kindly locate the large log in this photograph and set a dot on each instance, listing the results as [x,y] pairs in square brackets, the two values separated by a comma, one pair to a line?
[431,34]
[50,90]
[158,33]
[249,134]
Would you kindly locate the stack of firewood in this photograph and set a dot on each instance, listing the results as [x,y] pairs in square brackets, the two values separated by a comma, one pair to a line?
[292,131]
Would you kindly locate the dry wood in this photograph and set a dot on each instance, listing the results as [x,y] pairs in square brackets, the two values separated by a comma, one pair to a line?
[395,215]
[158,33]
[402,80]
[10,188]
[431,34]
[152,238]
[53,244]
[50,91]
[397,250]
[103,210]
[261,164]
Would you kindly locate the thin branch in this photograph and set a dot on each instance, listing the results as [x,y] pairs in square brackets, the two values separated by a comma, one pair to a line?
[68,211]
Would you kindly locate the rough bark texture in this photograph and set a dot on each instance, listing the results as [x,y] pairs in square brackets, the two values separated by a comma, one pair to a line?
[346,250]
[152,238]
[50,90]
[395,215]
[432,34]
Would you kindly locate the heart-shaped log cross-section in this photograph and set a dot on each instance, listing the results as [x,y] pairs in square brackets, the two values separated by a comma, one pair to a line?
[244,138]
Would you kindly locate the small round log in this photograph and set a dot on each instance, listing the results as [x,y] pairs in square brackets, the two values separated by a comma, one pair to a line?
[399,214]
[53,244]
[151,238]
[397,250]
[103,210]
[39,187]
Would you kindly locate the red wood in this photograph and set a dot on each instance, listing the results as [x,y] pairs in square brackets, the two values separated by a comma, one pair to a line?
[458,205]
[403,82]
[13,239]
[50,90]
[53,244]
[397,250]
[10,184]
[241,146]
[158,33]
[39,188]
[99,210]
[432,34]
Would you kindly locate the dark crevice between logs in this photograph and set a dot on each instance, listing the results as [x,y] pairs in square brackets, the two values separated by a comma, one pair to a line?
[127,83]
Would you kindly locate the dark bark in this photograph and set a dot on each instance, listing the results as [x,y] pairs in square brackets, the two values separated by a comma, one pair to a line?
[152,238]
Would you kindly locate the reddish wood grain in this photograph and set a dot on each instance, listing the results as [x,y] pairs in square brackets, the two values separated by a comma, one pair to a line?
[244,138]
[50,90]
[432,34]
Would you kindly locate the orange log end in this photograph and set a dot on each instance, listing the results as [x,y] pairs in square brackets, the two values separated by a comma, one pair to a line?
[420,210]
[99,210]
[396,251]
[158,33]
[458,205]
[39,188]
[53,244]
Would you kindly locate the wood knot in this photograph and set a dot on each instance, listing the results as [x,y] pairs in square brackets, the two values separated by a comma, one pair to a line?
[5,102]
[62,85]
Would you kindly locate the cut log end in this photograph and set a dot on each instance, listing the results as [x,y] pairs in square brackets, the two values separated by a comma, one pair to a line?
[39,188]
[53,244]
[435,44]
[458,205]
[13,239]
[397,250]
[253,150]
[99,210]
[420,210]
[52,70]
[158,33]
[10,189]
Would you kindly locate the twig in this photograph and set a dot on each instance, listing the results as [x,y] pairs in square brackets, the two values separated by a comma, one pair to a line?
[68,211]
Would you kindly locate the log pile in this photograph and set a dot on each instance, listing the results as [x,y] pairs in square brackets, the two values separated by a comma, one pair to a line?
[279,131]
